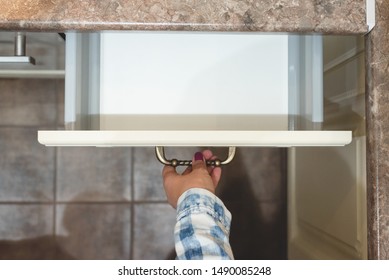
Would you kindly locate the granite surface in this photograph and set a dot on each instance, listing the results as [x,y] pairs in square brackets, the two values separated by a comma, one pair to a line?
[326,16]
[378,134]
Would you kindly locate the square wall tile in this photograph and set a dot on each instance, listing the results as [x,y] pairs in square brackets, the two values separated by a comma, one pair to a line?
[265,170]
[148,183]
[154,231]
[258,230]
[94,174]
[25,221]
[26,232]
[26,167]
[147,175]
[28,102]
[93,231]
[256,172]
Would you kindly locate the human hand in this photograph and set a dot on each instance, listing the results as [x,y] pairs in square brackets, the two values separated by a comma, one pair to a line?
[196,176]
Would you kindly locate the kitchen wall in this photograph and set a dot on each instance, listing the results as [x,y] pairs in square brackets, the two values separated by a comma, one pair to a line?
[109,203]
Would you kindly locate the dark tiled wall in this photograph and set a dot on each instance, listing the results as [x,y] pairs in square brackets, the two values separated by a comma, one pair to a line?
[108,203]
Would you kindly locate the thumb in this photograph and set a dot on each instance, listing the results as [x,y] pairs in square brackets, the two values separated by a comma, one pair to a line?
[198,161]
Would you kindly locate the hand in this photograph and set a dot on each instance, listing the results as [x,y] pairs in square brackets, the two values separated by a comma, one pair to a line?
[196,176]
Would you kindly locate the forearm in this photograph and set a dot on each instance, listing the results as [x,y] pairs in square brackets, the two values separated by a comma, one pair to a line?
[203,226]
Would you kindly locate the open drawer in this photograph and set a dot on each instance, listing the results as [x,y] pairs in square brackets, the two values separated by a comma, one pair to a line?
[193,89]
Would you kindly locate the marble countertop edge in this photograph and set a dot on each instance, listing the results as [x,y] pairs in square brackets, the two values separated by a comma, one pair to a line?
[61,26]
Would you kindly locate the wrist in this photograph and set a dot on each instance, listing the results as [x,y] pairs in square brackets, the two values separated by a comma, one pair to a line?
[201,201]
[198,190]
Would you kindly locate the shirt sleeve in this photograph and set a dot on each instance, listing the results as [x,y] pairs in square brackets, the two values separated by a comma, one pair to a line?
[203,227]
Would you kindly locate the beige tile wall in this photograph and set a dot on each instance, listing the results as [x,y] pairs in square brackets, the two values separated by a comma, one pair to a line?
[109,203]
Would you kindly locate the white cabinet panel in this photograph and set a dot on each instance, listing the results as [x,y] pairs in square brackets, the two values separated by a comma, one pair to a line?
[327,202]
[327,186]
[194,73]
[194,138]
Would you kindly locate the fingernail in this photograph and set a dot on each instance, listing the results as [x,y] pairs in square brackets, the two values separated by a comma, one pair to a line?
[198,156]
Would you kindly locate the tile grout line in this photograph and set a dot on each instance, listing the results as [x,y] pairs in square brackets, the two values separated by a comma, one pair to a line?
[132,207]
[55,201]
[37,127]
[87,202]
[284,199]
[141,202]
[55,176]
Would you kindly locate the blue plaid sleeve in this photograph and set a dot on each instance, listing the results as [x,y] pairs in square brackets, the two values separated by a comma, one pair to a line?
[203,227]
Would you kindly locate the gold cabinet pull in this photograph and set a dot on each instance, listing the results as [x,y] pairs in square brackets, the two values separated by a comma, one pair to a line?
[160,153]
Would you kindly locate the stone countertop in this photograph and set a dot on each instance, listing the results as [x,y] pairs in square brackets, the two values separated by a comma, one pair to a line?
[324,16]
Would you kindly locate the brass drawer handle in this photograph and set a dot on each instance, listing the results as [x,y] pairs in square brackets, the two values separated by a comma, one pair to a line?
[160,153]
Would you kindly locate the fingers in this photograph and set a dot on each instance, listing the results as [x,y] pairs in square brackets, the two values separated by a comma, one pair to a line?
[210,168]
[198,161]
[215,172]
[187,170]
[168,172]
[216,175]
[207,154]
